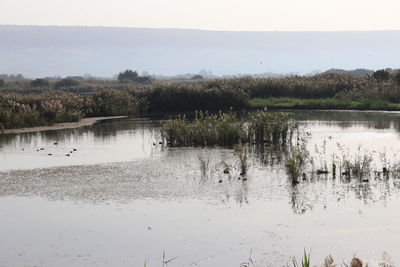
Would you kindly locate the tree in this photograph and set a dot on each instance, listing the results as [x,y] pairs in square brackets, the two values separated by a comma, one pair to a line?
[39,83]
[1,83]
[197,77]
[381,75]
[128,76]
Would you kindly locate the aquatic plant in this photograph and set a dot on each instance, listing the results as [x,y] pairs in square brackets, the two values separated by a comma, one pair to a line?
[329,262]
[241,153]
[296,163]
[165,261]
[305,262]
[361,166]
[267,127]
[227,129]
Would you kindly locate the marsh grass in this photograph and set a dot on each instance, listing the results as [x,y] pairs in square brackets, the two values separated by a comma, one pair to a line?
[322,103]
[228,129]
[296,163]
[357,164]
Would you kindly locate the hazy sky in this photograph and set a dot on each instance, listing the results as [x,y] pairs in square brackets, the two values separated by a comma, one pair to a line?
[259,15]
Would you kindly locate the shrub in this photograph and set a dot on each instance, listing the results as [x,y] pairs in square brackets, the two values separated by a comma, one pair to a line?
[66,83]
[39,83]
[381,75]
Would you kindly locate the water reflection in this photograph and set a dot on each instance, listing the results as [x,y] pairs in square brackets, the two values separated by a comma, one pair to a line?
[130,164]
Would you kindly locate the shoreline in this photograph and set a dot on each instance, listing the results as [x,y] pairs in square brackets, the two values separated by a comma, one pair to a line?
[61,126]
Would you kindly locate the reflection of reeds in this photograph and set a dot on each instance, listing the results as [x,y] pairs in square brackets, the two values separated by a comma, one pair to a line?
[204,166]
[241,153]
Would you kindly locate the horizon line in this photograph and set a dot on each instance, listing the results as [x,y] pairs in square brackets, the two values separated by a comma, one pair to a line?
[188,29]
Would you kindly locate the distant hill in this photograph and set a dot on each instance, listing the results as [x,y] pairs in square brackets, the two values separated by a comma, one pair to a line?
[38,51]
[356,72]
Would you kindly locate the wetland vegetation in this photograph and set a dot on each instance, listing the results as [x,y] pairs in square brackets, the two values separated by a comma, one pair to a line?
[25,103]
[257,152]
[228,129]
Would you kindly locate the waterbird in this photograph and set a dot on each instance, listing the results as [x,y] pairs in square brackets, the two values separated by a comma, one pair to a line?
[49,154]
[67,155]
[55,143]
[74,149]
[42,148]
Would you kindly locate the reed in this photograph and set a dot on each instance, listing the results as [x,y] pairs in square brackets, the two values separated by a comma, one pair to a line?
[227,129]
[296,163]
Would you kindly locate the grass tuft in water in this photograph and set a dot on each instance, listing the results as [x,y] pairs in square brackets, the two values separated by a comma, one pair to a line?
[296,163]
[305,262]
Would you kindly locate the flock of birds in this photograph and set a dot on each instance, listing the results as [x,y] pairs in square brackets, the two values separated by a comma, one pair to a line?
[56,143]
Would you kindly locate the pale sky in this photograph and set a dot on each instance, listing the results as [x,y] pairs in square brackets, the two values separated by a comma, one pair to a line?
[236,15]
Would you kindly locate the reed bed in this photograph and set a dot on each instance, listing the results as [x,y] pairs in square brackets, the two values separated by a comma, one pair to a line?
[228,129]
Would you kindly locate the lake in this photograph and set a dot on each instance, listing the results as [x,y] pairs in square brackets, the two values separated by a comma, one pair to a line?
[123,199]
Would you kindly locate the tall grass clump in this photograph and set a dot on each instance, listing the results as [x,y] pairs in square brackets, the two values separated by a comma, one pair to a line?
[296,163]
[224,129]
[270,127]
[227,129]
[305,262]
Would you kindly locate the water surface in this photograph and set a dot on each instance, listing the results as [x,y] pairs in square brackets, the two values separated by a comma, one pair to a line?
[123,198]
